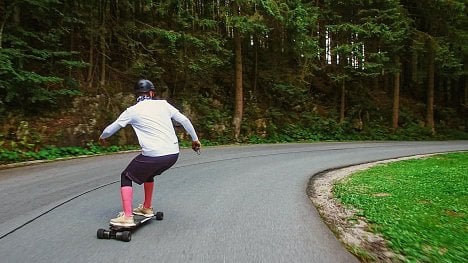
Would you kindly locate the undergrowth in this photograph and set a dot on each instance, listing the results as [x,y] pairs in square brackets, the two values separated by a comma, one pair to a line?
[51,153]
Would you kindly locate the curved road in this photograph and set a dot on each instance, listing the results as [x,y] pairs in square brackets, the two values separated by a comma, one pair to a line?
[230,204]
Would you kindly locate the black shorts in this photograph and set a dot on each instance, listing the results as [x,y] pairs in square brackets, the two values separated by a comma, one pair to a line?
[144,168]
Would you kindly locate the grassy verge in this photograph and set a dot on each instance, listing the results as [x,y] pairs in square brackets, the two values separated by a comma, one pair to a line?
[420,206]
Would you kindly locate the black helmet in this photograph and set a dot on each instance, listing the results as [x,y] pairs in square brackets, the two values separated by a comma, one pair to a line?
[143,85]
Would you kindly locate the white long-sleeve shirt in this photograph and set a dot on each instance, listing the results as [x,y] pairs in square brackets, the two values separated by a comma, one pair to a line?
[152,122]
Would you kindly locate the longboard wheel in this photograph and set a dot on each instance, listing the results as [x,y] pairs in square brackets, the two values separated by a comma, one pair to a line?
[103,234]
[124,236]
[159,216]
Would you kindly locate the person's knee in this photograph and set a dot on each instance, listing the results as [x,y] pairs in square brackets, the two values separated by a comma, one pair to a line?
[124,180]
[150,179]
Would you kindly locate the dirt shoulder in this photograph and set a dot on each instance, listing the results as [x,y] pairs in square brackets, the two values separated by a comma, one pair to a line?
[350,229]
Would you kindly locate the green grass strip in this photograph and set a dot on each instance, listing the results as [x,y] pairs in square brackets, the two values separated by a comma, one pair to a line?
[420,206]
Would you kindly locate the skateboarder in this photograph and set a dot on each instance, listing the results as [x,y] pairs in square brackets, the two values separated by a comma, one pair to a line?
[151,120]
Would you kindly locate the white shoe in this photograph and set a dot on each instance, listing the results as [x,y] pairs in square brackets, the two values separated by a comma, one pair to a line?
[142,211]
[122,220]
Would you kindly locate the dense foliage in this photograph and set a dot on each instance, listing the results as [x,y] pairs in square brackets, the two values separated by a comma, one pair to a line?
[282,70]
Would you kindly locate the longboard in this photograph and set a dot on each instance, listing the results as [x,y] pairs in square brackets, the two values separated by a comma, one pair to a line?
[124,233]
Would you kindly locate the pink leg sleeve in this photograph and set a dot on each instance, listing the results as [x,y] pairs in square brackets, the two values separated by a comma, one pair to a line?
[149,186]
[127,197]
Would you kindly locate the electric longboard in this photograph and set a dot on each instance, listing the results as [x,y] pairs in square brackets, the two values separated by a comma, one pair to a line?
[124,233]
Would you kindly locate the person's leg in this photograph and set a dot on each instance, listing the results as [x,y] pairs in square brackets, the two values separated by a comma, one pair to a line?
[127,197]
[138,169]
[161,164]
[146,209]
[149,186]
[126,192]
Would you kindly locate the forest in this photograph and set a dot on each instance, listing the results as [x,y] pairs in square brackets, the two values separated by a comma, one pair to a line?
[248,71]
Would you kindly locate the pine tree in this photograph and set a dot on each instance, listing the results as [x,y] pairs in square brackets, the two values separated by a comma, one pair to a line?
[443,38]
[33,61]
[363,37]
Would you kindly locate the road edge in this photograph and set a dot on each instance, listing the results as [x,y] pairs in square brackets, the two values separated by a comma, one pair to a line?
[351,230]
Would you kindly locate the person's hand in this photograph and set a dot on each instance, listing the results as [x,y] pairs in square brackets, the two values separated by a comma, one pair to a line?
[196,145]
[102,142]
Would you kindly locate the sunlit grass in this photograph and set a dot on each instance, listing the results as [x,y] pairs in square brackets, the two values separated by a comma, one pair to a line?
[420,206]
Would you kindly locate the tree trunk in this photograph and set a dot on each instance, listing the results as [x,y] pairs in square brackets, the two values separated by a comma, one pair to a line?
[465,84]
[414,67]
[91,62]
[102,42]
[447,85]
[465,94]
[102,79]
[343,102]
[137,9]
[2,25]
[322,38]
[375,83]
[255,70]
[3,20]
[430,86]
[239,97]
[114,12]
[16,16]
[396,96]
[331,43]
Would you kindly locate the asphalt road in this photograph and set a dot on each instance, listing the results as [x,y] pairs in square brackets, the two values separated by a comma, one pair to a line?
[229,204]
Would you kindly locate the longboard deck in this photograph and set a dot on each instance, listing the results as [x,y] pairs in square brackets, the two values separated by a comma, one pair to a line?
[138,221]
[124,233]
